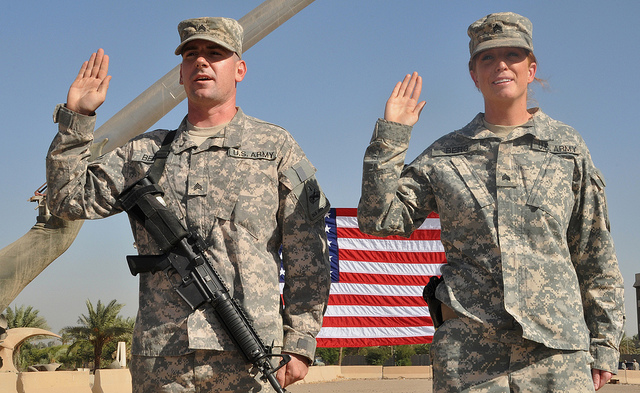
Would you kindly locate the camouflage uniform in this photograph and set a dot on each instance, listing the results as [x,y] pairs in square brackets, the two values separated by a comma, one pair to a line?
[246,194]
[524,226]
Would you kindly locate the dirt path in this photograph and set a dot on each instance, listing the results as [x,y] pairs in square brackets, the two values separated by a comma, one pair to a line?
[405,386]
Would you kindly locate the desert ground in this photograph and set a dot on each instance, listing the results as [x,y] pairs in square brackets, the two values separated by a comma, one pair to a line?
[405,386]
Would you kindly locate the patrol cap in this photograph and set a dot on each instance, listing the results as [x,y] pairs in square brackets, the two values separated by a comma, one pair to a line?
[502,29]
[225,32]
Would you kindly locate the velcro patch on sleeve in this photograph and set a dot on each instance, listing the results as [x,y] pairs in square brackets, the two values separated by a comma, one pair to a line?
[306,188]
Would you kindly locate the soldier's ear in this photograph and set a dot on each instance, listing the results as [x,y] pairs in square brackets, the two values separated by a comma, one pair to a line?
[474,78]
[241,70]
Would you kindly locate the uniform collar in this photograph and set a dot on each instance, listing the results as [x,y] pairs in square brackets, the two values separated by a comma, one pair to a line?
[535,126]
[233,134]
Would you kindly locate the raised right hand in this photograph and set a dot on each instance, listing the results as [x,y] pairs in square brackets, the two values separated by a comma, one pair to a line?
[89,90]
[403,106]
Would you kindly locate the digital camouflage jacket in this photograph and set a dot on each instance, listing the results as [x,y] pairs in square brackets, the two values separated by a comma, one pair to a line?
[247,194]
[524,226]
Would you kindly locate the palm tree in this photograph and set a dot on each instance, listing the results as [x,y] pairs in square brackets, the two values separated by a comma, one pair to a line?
[100,327]
[25,316]
[628,345]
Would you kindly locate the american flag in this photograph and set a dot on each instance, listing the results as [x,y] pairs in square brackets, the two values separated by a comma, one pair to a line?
[376,284]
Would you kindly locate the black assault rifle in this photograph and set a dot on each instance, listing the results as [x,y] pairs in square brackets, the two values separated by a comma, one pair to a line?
[191,273]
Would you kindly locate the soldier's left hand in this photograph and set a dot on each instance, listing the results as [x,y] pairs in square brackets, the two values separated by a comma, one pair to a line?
[294,371]
[600,378]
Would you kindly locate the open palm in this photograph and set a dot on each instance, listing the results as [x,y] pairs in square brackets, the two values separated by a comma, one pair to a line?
[89,90]
[403,106]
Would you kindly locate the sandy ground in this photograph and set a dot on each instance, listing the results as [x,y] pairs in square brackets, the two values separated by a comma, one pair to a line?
[405,386]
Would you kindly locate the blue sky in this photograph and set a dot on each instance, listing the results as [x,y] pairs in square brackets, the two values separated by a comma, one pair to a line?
[325,76]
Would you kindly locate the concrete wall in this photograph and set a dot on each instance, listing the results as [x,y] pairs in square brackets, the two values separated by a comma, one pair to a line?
[361,372]
[54,382]
[322,374]
[333,373]
[407,372]
[8,382]
[631,377]
[112,381]
[104,381]
[119,381]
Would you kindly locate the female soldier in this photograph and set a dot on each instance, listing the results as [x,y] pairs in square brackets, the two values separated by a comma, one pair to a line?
[532,290]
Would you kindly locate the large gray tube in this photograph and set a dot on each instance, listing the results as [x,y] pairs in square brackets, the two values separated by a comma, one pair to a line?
[24,259]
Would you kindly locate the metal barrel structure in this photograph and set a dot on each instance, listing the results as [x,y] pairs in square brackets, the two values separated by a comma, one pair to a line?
[50,237]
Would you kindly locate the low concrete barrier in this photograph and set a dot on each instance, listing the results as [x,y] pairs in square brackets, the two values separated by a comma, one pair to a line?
[407,372]
[112,381]
[361,372]
[119,380]
[319,374]
[8,382]
[631,377]
[54,382]
[322,374]
[331,373]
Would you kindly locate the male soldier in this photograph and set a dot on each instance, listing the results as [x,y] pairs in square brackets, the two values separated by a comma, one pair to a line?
[244,185]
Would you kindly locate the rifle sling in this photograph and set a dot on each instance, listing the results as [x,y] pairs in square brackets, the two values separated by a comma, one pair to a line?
[160,158]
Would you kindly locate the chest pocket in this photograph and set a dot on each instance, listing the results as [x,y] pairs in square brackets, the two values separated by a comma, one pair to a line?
[252,200]
[226,196]
[476,187]
[459,188]
[552,191]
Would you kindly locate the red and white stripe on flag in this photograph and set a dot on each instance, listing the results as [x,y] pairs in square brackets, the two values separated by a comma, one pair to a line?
[377,283]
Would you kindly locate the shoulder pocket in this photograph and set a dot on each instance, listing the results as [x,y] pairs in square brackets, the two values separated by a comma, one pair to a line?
[598,179]
[305,187]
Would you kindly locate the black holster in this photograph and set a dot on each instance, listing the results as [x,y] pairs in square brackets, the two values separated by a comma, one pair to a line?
[435,305]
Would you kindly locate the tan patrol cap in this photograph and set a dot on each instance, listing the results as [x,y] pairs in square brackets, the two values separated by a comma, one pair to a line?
[502,29]
[226,32]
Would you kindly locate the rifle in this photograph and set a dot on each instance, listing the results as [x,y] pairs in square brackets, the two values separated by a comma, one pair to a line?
[193,277]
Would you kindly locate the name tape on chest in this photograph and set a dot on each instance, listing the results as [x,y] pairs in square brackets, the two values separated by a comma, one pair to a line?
[254,155]
[556,148]
[536,145]
[455,150]
[145,158]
